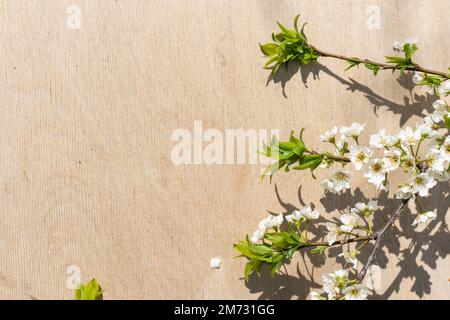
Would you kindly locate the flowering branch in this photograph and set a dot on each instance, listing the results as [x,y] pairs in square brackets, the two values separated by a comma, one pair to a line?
[423,154]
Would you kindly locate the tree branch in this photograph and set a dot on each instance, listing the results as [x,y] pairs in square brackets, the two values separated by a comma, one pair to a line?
[383,66]
[379,235]
[339,243]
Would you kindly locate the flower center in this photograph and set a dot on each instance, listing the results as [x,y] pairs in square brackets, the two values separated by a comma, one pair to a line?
[361,157]
[419,181]
[340,176]
[376,167]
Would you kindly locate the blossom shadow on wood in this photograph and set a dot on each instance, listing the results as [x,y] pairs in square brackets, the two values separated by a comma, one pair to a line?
[412,263]
[412,260]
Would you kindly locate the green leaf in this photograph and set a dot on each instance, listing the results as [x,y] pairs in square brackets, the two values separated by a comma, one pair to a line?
[409,50]
[259,249]
[90,291]
[319,249]
[396,60]
[309,161]
[352,64]
[269,49]
[289,45]
[447,121]
[373,67]
[296,23]
[252,266]
[243,249]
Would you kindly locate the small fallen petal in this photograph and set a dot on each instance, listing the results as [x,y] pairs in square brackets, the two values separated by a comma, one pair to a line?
[214,263]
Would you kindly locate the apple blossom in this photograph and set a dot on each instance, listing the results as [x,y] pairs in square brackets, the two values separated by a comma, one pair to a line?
[440,110]
[355,292]
[354,131]
[359,156]
[408,136]
[421,183]
[350,221]
[424,217]
[391,159]
[329,136]
[366,209]
[418,77]
[333,233]
[382,140]
[333,281]
[350,257]
[445,149]
[305,213]
[376,173]
[444,88]
[338,182]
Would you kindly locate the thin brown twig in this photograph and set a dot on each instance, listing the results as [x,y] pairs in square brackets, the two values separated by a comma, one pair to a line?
[379,235]
[339,243]
[383,66]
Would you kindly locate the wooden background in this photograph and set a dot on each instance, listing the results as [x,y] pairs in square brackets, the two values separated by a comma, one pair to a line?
[85,141]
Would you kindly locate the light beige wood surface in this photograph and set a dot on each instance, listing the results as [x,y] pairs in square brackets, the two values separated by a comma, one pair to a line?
[85,142]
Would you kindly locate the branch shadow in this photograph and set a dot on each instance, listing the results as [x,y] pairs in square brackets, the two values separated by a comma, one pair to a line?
[413,104]
[412,263]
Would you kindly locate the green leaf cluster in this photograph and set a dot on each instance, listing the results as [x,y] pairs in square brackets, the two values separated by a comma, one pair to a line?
[277,248]
[288,153]
[288,45]
[90,291]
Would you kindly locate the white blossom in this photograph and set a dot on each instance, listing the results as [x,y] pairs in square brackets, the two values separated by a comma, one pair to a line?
[382,140]
[376,173]
[434,160]
[417,77]
[333,233]
[391,159]
[444,88]
[258,235]
[313,295]
[271,222]
[354,131]
[350,257]
[338,182]
[445,149]
[342,144]
[440,110]
[366,209]
[360,156]
[404,192]
[355,292]
[305,212]
[264,225]
[408,163]
[329,136]
[425,130]
[408,137]
[421,183]
[399,46]
[441,176]
[350,221]
[424,217]
[332,281]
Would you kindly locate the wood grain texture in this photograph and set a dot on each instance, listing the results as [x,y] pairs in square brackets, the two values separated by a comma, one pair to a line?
[85,140]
